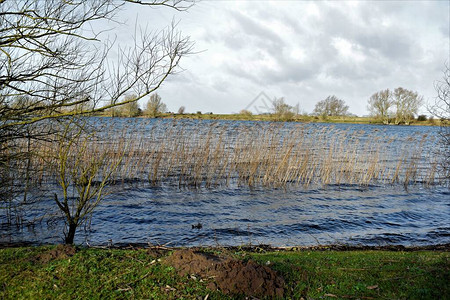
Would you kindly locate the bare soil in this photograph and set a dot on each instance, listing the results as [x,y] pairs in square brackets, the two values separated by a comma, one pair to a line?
[60,252]
[231,276]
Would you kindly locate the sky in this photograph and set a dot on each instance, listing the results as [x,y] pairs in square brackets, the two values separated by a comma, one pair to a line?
[246,53]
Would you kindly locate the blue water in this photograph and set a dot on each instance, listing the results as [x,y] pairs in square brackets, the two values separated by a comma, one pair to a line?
[235,215]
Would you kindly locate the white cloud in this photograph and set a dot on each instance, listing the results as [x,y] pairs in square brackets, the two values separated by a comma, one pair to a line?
[303,51]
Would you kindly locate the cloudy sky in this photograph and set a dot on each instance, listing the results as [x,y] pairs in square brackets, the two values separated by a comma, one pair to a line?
[301,50]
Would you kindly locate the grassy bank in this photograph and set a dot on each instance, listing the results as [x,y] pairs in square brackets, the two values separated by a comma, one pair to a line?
[296,118]
[303,118]
[48,272]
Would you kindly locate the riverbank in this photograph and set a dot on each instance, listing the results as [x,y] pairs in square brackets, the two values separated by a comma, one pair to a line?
[290,118]
[295,118]
[61,272]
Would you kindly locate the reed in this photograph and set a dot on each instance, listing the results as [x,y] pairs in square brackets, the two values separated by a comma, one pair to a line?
[87,159]
[267,154]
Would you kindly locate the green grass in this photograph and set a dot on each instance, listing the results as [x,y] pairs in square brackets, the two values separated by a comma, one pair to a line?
[363,274]
[119,274]
[297,118]
[92,274]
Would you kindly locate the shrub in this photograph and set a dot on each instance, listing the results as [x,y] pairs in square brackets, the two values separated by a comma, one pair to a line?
[422,118]
[181,110]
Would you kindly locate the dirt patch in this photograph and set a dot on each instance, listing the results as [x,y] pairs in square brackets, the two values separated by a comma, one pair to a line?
[231,276]
[59,252]
[157,252]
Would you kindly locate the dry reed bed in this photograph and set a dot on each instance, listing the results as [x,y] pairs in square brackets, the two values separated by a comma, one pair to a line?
[269,155]
[214,154]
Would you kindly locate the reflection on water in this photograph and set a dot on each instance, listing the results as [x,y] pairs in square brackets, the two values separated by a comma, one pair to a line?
[234,214]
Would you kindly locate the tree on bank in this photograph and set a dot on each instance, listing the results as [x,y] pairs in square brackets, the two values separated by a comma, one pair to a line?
[407,104]
[154,106]
[282,110]
[181,110]
[379,105]
[131,108]
[331,106]
[84,170]
[53,67]
[401,104]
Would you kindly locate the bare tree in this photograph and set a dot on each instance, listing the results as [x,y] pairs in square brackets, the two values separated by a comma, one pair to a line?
[52,66]
[282,110]
[47,56]
[245,112]
[84,168]
[280,107]
[379,105]
[331,106]
[407,104]
[441,106]
[441,109]
[181,110]
[155,106]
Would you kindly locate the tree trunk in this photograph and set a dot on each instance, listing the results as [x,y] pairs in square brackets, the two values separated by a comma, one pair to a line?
[71,234]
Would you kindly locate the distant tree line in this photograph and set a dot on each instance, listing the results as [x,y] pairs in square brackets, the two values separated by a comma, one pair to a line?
[399,106]
[388,107]
[153,107]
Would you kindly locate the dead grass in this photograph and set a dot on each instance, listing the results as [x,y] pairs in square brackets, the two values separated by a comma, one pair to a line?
[264,154]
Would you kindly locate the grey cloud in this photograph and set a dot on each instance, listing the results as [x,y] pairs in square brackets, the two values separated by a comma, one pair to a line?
[384,48]
[395,42]
[288,71]
[293,71]
[353,71]
[409,52]
[255,35]
[248,34]
[253,29]
[238,71]
[220,84]
[445,31]
[235,41]
[280,15]
[391,44]
[393,54]
[316,44]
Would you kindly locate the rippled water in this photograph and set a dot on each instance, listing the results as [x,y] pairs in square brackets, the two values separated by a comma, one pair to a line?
[236,215]
[375,215]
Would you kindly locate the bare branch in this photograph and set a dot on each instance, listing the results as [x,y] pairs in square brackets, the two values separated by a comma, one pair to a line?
[441,106]
[180,5]
[52,67]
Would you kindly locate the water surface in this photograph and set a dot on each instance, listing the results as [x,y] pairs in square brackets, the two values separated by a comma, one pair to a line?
[377,214]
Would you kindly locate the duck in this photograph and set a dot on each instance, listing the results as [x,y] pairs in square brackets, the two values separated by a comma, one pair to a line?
[197,226]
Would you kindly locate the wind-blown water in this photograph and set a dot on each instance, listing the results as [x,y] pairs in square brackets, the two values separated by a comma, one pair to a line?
[234,214]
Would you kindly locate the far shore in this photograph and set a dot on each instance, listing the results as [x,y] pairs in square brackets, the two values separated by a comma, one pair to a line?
[295,118]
